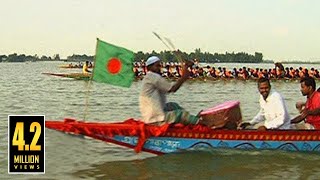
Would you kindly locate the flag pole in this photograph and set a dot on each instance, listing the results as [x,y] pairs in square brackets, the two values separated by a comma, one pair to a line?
[94,59]
[86,107]
[89,86]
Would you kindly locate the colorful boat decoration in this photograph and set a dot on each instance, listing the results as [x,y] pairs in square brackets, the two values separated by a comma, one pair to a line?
[78,76]
[174,138]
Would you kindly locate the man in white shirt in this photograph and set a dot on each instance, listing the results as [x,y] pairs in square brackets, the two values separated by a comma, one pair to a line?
[273,110]
[152,100]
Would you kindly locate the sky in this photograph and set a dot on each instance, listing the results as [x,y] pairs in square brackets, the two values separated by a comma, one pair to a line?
[283,30]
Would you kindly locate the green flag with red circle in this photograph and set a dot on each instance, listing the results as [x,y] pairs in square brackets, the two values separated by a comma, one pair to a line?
[113,65]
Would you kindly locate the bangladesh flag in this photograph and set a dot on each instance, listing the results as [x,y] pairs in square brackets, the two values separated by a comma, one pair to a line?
[113,65]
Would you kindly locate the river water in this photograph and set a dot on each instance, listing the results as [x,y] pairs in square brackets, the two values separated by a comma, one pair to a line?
[24,91]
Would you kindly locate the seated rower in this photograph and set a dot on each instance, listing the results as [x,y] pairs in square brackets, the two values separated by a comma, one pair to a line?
[273,110]
[310,110]
[85,67]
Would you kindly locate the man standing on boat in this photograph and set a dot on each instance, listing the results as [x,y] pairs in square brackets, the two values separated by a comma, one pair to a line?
[310,110]
[273,110]
[153,106]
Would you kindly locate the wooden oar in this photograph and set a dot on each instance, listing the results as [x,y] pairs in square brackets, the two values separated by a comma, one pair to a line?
[171,47]
[157,35]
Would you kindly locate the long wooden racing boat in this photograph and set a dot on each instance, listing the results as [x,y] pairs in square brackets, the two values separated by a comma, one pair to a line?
[78,76]
[173,138]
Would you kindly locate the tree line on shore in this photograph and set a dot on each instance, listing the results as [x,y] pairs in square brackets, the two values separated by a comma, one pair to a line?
[166,56]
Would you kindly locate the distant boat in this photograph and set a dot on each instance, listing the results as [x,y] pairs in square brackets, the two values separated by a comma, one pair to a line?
[72,66]
[78,76]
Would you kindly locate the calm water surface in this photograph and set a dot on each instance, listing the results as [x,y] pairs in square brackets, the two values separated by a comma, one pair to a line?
[24,90]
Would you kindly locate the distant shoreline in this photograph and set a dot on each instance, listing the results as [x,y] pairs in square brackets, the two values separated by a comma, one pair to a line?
[72,61]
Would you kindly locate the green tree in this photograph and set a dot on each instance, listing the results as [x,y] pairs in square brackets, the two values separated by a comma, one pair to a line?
[56,57]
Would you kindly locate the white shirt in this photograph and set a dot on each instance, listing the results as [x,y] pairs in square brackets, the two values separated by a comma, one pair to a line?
[274,111]
[153,97]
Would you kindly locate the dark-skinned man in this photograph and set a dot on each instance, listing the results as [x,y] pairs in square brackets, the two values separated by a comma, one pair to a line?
[153,104]
[310,110]
[273,110]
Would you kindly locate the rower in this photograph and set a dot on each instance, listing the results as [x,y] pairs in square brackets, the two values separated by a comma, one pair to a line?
[310,110]
[273,109]
[85,69]
[153,106]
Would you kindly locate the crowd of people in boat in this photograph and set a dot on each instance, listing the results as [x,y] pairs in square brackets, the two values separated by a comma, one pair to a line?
[173,70]
[273,112]
[77,65]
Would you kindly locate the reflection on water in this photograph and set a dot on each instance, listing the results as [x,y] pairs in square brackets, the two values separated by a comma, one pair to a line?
[25,90]
[220,164]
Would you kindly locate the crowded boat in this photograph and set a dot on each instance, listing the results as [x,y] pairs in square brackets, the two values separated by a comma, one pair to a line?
[172,70]
[76,65]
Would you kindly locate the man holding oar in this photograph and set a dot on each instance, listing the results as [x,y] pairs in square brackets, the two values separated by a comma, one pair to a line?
[153,106]
[310,110]
[273,110]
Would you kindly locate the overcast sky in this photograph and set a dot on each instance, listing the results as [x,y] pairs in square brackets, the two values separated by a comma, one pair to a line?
[280,29]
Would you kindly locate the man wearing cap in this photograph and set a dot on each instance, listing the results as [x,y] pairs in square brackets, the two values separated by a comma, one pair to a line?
[153,106]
